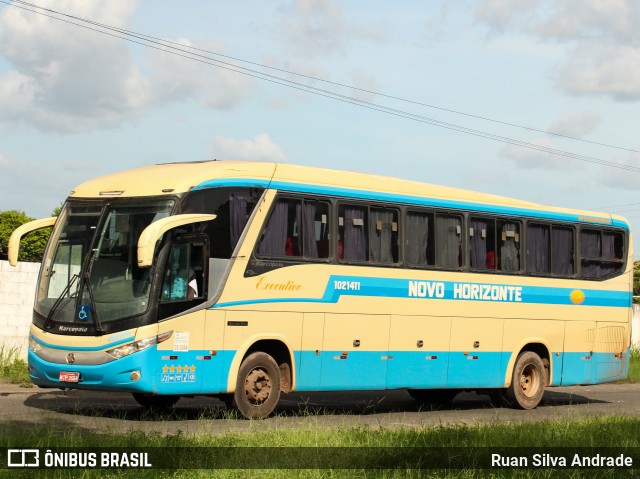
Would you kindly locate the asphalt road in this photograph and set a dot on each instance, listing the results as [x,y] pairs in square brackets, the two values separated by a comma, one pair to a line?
[89,410]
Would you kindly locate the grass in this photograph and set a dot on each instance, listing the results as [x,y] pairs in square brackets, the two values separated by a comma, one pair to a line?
[592,432]
[13,369]
[634,366]
[597,432]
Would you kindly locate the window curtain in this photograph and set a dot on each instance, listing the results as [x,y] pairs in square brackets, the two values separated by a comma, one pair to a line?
[478,243]
[509,254]
[380,239]
[417,239]
[538,249]
[238,218]
[310,247]
[562,251]
[448,241]
[590,248]
[608,252]
[355,238]
[274,237]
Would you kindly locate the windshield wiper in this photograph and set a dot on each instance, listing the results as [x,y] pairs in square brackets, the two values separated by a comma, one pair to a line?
[92,304]
[58,302]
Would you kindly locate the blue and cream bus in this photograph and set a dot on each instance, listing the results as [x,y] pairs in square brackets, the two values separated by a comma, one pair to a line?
[245,280]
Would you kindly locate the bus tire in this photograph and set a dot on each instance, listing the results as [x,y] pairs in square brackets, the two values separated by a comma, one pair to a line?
[433,396]
[156,402]
[527,384]
[258,386]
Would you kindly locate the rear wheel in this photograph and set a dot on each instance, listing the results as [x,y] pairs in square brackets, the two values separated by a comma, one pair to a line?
[258,387]
[155,402]
[433,396]
[529,379]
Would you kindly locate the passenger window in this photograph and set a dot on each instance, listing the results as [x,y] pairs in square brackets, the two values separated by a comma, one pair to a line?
[494,244]
[562,251]
[538,248]
[352,233]
[297,228]
[602,253]
[419,245]
[449,241]
[383,239]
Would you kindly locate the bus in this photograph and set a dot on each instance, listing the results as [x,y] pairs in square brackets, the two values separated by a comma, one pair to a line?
[247,280]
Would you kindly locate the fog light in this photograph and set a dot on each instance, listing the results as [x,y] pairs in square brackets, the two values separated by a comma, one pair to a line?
[135,376]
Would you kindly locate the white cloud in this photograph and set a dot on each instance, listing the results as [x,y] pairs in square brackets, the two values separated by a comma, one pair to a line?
[500,15]
[619,178]
[602,41]
[175,78]
[594,69]
[319,27]
[260,148]
[530,158]
[65,78]
[577,123]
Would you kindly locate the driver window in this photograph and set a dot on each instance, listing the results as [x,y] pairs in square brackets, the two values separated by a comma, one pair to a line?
[184,276]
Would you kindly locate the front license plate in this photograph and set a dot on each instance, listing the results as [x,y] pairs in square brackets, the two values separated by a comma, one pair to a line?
[67,377]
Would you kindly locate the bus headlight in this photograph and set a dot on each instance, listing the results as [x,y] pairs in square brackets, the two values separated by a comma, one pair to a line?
[127,349]
[34,345]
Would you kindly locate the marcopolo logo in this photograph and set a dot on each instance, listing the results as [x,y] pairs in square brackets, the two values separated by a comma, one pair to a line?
[23,458]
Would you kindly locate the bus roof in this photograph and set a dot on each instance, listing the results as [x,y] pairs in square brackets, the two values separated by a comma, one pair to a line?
[172,178]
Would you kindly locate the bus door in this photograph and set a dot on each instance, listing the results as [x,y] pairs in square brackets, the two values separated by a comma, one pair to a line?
[180,361]
[355,351]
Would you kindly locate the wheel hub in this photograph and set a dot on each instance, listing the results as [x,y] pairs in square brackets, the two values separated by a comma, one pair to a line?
[257,386]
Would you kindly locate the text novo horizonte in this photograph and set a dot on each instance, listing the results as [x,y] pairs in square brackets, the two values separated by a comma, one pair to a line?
[471,291]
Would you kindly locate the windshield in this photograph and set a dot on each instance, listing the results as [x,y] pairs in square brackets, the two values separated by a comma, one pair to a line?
[114,287]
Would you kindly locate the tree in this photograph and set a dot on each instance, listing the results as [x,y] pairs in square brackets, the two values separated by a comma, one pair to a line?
[636,280]
[32,245]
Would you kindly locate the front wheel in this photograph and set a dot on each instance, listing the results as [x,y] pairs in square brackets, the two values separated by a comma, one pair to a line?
[258,387]
[527,384]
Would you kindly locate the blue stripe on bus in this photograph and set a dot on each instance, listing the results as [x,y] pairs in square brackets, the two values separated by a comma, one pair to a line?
[83,348]
[412,200]
[452,291]
[327,371]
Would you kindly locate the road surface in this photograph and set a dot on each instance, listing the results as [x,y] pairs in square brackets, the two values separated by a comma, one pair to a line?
[91,410]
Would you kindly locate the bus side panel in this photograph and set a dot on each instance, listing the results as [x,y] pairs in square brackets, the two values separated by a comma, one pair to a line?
[355,352]
[577,360]
[609,352]
[309,358]
[419,348]
[476,353]
[244,328]
[179,360]
[214,369]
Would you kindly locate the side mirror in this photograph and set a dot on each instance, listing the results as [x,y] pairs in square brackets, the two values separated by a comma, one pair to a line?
[152,233]
[20,231]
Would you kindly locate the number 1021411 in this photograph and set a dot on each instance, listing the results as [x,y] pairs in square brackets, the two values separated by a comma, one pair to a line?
[347,285]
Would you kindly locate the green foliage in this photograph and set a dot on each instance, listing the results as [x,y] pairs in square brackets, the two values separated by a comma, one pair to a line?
[33,244]
[636,281]
[13,369]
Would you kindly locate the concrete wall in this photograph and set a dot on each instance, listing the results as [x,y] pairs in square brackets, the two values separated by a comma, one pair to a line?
[17,293]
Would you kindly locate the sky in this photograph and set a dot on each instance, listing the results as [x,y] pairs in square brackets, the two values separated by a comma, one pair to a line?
[76,104]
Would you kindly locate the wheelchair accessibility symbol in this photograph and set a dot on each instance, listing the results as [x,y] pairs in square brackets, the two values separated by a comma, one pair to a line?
[83,313]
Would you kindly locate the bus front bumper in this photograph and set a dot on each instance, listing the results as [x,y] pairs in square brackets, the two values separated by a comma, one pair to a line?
[133,373]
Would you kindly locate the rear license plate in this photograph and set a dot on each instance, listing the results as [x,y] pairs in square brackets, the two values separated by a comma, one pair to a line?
[67,377]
